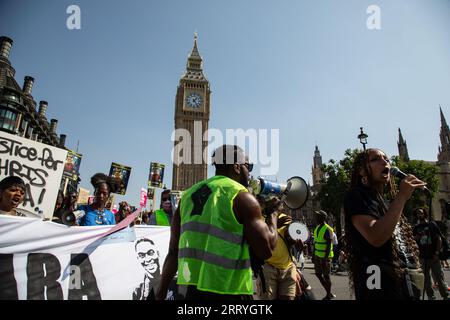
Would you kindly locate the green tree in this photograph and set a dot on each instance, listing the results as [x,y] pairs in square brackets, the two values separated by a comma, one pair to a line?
[425,171]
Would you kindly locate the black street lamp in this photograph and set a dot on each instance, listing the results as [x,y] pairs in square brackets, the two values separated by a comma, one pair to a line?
[363,138]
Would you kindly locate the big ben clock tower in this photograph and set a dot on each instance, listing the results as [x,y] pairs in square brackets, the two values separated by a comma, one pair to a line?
[192,108]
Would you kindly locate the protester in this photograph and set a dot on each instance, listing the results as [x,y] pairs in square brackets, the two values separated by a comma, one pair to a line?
[163,216]
[145,218]
[335,242]
[323,253]
[70,201]
[96,213]
[59,207]
[12,193]
[378,238]
[445,245]
[123,212]
[278,278]
[428,237]
[212,231]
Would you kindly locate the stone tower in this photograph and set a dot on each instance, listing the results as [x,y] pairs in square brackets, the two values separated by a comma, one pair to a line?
[192,110]
[317,172]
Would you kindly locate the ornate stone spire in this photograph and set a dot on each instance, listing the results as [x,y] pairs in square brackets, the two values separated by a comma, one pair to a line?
[317,171]
[402,147]
[444,149]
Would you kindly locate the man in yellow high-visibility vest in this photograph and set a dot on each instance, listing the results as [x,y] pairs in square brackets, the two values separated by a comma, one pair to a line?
[213,229]
[323,252]
[163,216]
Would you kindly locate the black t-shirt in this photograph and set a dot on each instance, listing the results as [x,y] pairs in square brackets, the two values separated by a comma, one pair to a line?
[362,201]
[426,235]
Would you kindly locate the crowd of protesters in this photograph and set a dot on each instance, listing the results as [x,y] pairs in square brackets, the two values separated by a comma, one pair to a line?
[376,232]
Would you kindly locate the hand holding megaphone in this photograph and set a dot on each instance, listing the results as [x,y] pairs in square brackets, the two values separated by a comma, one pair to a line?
[294,192]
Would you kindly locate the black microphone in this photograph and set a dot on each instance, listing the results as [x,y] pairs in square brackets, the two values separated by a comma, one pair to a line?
[396,172]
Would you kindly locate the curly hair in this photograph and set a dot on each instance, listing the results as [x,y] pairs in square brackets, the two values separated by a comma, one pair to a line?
[100,178]
[361,164]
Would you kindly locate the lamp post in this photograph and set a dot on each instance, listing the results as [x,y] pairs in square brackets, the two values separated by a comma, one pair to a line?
[363,138]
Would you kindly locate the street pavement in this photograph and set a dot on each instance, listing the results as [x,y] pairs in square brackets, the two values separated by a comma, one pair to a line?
[340,283]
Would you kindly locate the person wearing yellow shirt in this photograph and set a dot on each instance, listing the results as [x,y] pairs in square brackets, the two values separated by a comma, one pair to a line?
[278,279]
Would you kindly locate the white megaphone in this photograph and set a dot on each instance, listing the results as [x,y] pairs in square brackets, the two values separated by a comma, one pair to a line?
[294,192]
[69,218]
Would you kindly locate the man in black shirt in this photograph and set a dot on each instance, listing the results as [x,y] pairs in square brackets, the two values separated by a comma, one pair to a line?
[427,235]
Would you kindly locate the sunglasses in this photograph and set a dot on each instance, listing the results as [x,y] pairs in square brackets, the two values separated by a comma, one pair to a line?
[249,166]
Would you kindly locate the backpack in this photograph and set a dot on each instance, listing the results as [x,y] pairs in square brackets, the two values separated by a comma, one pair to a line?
[444,253]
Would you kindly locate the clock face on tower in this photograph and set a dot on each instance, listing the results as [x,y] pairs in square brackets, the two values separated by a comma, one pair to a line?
[194,100]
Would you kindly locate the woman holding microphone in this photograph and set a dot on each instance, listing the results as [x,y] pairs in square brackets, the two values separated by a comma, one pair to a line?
[382,253]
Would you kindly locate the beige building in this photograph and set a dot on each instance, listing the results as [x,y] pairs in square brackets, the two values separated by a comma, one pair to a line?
[192,110]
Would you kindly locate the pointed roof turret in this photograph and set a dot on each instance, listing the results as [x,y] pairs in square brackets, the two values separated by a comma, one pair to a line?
[443,121]
[402,147]
[400,137]
[194,66]
[444,135]
[194,53]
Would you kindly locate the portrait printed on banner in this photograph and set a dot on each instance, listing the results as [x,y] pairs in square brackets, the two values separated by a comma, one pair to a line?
[148,256]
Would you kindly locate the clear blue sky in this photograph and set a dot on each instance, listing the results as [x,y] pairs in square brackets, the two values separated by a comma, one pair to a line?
[309,68]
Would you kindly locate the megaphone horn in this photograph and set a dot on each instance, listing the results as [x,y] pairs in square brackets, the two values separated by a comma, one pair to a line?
[294,193]
[69,218]
[297,195]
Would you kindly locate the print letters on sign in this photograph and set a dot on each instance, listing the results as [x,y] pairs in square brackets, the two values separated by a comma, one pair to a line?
[43,274]
[39,165]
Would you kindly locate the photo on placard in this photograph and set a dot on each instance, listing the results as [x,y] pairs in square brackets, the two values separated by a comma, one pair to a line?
[156,176]
[122,174]
[72,165]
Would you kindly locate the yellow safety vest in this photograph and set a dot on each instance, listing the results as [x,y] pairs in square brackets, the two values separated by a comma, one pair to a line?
[320,243]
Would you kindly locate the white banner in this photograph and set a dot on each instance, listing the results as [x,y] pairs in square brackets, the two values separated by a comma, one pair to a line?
[42,260]
[39,165]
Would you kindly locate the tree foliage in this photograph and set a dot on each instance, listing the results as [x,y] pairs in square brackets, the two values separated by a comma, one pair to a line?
[425,171]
